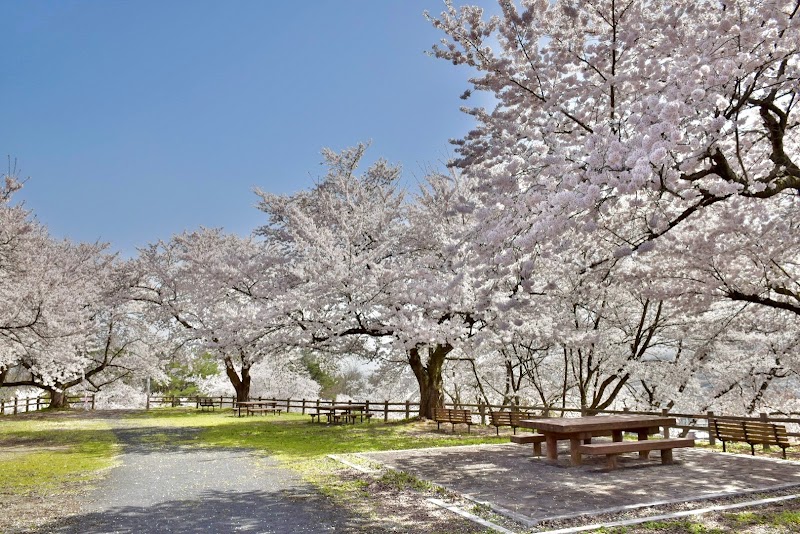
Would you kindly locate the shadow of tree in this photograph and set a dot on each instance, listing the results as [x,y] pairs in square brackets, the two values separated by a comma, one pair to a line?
[285,511]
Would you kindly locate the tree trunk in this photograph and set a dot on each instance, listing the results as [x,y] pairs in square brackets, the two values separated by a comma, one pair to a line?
[240,384]
[58,399]
[429,377]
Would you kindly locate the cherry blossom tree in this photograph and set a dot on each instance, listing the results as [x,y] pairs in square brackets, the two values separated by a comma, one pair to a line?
[64,320]
[375,275]
[651,146]
[211,290]
[640,131]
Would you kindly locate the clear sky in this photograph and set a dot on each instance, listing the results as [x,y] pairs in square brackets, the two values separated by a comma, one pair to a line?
[136,120]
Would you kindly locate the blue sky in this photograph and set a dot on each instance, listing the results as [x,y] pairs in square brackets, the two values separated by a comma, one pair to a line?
[136,120]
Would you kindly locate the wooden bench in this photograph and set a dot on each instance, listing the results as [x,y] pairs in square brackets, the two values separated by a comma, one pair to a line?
[352,416]
[206,402]
[316,416]
[752,433]
[613,449]
[511,419]
[452,416]
[251,410]
[331,416]
[535,439]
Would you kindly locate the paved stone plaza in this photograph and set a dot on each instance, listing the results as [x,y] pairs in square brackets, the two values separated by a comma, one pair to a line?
[531,490]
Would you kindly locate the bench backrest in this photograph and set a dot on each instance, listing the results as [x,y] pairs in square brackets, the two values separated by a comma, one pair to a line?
[516,417]
[501,418]
[441,414]
[460,416]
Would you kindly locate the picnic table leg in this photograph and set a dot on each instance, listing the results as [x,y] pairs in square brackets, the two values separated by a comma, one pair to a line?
[552,447]
[643,437]
[574,454]
[616,435]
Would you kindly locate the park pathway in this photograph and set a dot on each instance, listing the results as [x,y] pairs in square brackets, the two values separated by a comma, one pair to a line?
[165,485]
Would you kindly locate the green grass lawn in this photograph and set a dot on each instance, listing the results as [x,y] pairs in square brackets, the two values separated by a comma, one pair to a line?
[47,455]
[59,452]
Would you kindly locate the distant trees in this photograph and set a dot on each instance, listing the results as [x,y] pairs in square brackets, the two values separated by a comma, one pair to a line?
[64,317]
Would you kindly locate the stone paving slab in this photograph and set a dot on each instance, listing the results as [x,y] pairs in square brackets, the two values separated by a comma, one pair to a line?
[507,477]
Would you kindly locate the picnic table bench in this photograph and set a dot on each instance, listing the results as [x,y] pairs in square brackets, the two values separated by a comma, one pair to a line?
[206,402]
[257,406]
[752,433]
[251,410]
[614,448]
[526,439]
[453,416]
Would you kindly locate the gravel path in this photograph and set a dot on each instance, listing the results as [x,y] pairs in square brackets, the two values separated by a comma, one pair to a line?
[165,485]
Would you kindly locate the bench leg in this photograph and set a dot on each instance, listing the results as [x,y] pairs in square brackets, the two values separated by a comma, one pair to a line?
[537,449]
[612,461]
[643,437]
[666,456]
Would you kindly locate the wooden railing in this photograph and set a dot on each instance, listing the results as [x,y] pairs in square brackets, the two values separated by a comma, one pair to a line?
[31,404]
[686,422]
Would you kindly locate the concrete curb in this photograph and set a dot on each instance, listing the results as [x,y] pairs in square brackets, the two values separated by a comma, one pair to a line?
[667,517]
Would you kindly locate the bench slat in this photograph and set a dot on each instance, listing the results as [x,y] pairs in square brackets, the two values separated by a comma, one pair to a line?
[618,447]
[524,439]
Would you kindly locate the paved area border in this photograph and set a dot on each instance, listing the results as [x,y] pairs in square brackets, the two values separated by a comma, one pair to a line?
[531,491]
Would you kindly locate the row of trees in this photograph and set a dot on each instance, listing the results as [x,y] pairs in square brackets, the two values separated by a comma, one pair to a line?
[620,228]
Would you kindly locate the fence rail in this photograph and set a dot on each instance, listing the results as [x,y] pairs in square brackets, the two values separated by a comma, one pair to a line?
[686,422]
[18,405]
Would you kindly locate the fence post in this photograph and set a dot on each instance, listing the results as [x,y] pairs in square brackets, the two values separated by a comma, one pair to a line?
[482,411]
[711,439]
[303,406]
[764,418]
[2,407]
[366,408]
[408,409]
[386,411]
[147,403]
[16,410]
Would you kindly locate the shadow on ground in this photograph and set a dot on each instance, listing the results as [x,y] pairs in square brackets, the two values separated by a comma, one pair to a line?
[286,511]
[533,490]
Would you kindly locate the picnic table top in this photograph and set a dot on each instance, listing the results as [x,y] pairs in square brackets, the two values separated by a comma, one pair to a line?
[567,425]
[343,407]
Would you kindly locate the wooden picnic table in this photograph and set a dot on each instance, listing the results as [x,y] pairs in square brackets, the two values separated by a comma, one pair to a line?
[579,430]
[346,410]
[259,405]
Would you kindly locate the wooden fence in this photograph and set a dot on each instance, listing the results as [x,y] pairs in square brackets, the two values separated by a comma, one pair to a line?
[686,422]
[31,404]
